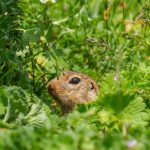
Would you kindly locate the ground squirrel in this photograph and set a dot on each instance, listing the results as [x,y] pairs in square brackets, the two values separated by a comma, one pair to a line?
[71,88]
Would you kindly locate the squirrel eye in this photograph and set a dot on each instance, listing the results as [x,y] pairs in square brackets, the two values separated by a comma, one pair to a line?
[74,80]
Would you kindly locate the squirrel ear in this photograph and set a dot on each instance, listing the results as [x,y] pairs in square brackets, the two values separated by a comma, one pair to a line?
[92,86]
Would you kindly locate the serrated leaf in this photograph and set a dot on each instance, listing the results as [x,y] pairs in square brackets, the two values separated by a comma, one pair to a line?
[135,112]
[21,107]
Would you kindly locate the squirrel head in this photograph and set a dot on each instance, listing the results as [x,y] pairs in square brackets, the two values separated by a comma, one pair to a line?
[71,88]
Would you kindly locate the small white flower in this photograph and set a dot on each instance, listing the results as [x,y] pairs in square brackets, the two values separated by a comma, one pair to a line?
[20,53]
[136,33]
[53,1]
[132,143]
[45,1]
[116,77]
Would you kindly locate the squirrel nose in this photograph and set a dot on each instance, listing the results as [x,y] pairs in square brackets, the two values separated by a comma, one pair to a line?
[50,88]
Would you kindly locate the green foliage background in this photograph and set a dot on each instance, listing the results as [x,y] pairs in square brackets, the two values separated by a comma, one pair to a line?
[108,40]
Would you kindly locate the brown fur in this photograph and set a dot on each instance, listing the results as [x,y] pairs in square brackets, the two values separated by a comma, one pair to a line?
[67,94]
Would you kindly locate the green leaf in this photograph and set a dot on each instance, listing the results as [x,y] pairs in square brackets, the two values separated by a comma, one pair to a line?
[21,107]
[32,35]
[135,112]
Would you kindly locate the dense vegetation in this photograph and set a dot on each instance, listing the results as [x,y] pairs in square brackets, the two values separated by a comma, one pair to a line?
[108,40]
